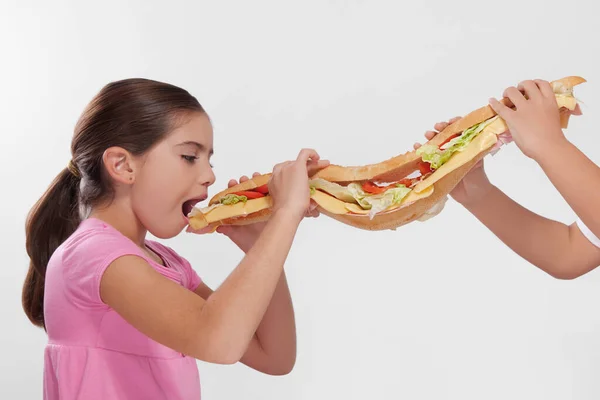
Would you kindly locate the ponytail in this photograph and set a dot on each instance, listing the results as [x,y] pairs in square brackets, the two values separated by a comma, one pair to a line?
[50,222]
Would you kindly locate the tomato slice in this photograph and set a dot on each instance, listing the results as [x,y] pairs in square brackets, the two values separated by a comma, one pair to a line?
[264,189]
[406,182]
[424,167]
[370,187]
[449,139]
[249,194]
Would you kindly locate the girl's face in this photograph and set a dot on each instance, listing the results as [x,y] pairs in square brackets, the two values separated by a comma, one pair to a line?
[173,176]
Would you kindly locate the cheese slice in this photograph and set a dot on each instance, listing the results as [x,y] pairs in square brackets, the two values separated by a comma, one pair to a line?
[239,209]
[201,218]
[329,203]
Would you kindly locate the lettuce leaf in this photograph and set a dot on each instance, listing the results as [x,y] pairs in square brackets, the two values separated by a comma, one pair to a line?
[436,157]
[230,199]
[354,193]
[376,203]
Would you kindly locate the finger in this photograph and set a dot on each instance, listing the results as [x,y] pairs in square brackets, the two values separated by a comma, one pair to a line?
[312,209]
[545,88]
[244,179]
[203,231]
[305,154]
[232,182]
[453,120]
[416,145]
[224,229]
[577,110]
[322,163]
[430,134]
[516,97]
[313,214]
[440,126]
[314,167]
[531,89]
[503,111]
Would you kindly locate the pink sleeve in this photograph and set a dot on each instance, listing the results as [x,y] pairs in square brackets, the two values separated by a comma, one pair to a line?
[193,278]
[87,257]
[190,278]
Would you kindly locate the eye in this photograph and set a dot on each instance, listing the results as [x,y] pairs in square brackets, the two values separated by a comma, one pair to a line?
[189,159]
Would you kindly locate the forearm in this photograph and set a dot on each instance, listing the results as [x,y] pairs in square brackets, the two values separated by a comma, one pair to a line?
[539,240]
[274,350]
[577,179]
[237,307]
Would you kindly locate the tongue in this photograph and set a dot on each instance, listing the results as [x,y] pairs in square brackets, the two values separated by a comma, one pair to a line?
[188,206]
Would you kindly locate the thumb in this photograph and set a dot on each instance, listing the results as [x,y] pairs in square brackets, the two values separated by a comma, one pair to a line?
[503,111]
[206,230]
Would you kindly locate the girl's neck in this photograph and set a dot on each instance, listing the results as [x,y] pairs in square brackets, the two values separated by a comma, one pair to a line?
[123,219]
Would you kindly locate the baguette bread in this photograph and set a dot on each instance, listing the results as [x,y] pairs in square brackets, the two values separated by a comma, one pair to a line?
[334,186]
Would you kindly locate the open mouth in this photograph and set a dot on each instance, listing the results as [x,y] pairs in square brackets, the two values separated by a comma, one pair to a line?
[187,206]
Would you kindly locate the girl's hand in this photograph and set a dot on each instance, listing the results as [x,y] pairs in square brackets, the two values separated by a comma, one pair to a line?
[289,183]
[244,236]
[535,123]
[475,184]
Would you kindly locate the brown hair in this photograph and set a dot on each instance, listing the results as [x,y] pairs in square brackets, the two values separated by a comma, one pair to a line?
[134,114]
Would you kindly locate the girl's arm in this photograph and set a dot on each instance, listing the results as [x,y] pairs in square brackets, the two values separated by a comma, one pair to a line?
[220,328]
[217,330]
[272,349]
[577,179]
[560,250]
[535,127]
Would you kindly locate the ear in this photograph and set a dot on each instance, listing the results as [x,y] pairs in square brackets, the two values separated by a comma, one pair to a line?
[119,164]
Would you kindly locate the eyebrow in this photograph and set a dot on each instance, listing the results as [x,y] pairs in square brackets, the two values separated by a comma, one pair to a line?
[200,146]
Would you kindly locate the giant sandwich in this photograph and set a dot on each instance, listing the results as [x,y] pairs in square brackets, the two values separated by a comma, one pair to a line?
[408,187]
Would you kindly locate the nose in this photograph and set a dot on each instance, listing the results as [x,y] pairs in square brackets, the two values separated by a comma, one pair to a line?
[207,177]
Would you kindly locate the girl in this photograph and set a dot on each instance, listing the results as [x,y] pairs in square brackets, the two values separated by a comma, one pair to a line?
[126,317]
[564,252]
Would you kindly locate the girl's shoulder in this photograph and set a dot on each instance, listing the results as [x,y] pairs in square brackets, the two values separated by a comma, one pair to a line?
[95,240]
[77,265]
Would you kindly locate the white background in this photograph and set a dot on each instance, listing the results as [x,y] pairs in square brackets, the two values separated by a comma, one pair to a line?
[435,310]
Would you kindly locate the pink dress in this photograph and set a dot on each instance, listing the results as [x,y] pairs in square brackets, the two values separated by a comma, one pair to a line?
[92,352]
